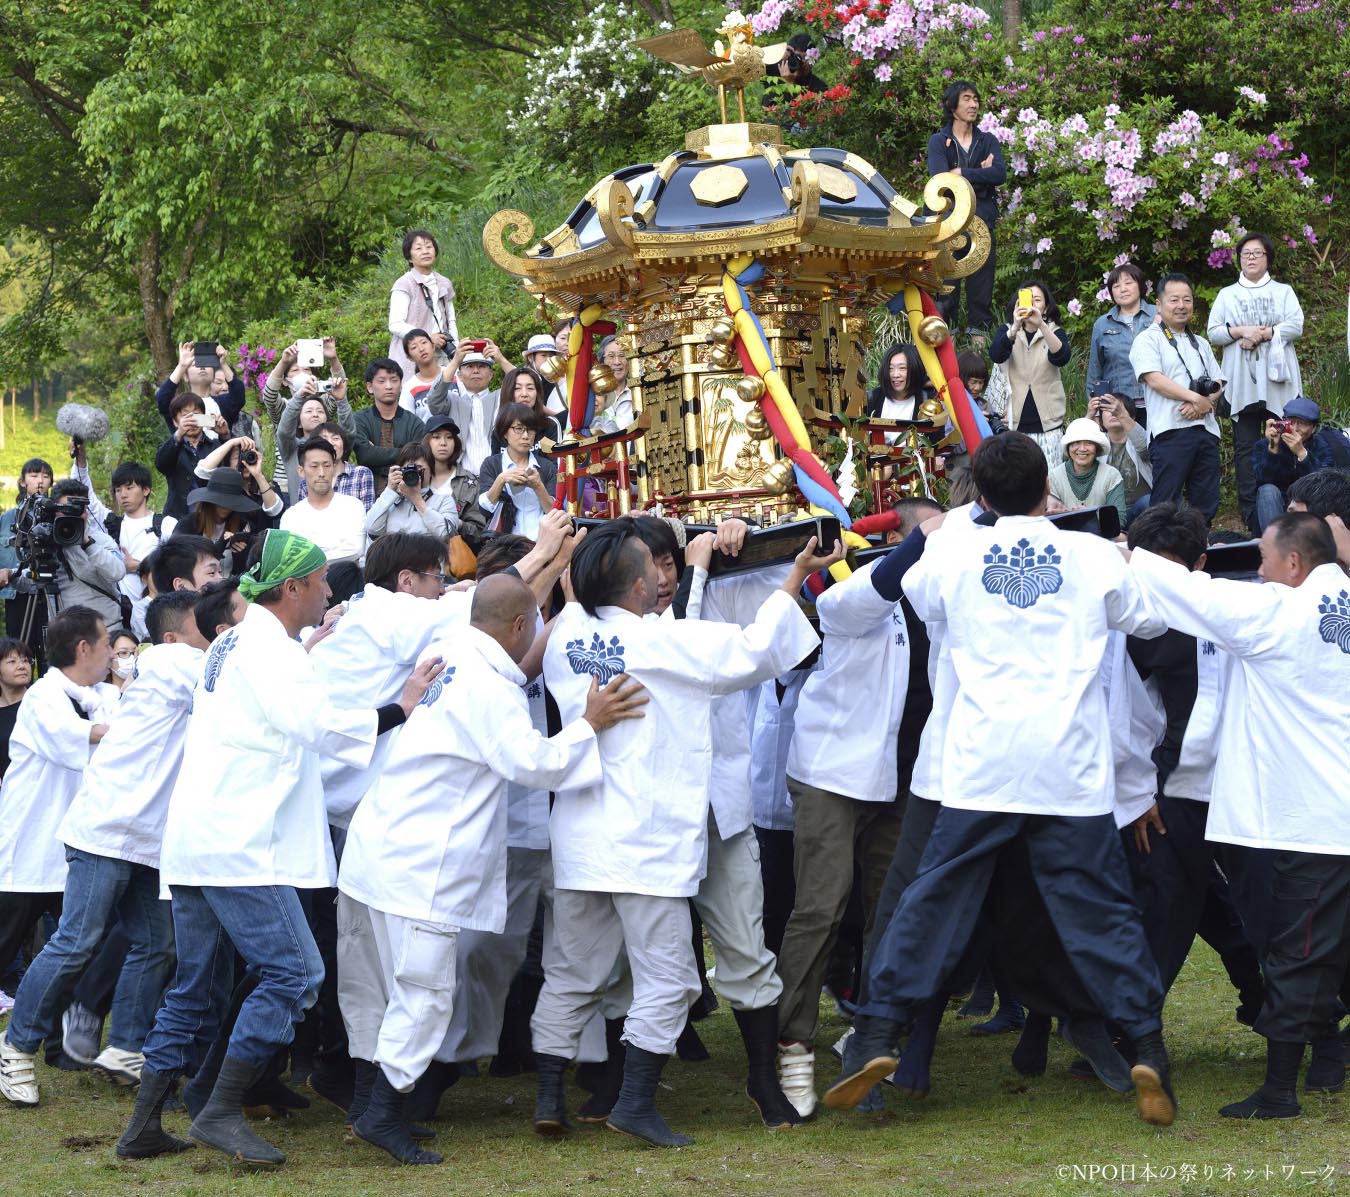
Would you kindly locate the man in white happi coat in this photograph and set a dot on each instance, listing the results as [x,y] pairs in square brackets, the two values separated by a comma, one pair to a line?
[629,852]
[426,851]
[240,839]
[1274,788]
[64,714]
[112,833]
[1027,758]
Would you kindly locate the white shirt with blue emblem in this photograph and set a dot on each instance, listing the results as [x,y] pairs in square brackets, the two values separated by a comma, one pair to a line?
[644,828]
[1284,733]
[1027,608]
[252,811]
[123,798]
[367,661]
[429,840]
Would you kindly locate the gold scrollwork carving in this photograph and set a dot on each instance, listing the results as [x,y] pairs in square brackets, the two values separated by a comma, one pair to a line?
[953,199]
[805,195]
[614,210]
[977,234]
[518,230]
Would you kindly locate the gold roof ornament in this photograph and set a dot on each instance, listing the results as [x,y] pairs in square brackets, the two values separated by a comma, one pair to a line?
[648,244]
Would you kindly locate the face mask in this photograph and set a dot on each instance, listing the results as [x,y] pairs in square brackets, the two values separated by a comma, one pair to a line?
[124,666]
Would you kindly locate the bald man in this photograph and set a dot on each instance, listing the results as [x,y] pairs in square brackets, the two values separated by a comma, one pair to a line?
[426,851]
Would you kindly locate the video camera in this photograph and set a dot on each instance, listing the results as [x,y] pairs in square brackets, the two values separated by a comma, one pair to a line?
[42,528]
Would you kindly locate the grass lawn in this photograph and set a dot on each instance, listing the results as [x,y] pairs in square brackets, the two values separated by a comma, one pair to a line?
[983,1130]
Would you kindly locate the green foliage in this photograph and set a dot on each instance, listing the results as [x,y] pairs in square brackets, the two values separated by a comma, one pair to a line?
[25,438]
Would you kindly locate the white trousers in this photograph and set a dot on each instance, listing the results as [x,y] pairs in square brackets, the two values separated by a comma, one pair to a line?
[396,985]
[590,930]
[487,963]
[730,902]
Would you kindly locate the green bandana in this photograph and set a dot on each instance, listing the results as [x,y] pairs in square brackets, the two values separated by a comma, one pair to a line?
[285,555]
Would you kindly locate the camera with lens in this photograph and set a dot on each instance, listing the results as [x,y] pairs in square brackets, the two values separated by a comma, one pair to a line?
[412,475]
[795,61]
[42,528]
[248,457]
[1206,386]
[322,386]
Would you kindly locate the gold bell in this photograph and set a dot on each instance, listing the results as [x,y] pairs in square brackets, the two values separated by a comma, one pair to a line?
[603,380]
[722,331]
[933,411]
[780,477]
[554,367]
[750,389]
[933,330]
[757,426]
[722,357]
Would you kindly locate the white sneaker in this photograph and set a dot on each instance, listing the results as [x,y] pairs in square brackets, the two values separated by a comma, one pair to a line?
[6,1002]
[837,1050]
[122,1068]
[797,1076]
[18,1079]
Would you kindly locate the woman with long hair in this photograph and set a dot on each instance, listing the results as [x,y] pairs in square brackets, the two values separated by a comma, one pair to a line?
[1033,349]
[443,443]
[523,385]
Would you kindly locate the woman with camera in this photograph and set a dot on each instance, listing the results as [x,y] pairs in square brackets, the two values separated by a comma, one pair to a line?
[409,504]
[515,485]
[448,475]
[1032,349]
[237,503]
[34,479]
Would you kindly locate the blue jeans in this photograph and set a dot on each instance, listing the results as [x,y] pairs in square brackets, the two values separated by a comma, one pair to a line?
[267,926]
[1270,504]
[99,891]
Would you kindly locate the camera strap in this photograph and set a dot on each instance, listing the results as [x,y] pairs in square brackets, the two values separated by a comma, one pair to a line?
[1190,336]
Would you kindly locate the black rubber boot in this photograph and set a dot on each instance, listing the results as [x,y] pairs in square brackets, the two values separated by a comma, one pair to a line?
[1090,1036]
[609,1080]
[1276,1097]
[144,1136]
[911,1075]
[383,1125]
[1326,1068]
[869,1055]
[1033,1048]
[271,1097]
[333,1085]
[514,1051]
[635,1112]
[980,1003]
[689,1047]
[1152,1078]
[759,1031]
[1010,1017]
[363,1080]
[221,1122]
[425,1099]
[550,1102]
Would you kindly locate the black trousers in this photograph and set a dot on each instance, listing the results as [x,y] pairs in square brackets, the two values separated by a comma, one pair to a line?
[979,296]
[1248,428]
[780,886]
[1186,464]
[1080,871]
[1308,949]
[19,915]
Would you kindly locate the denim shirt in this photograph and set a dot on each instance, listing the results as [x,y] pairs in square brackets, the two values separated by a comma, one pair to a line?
[9,559]
[1108,366]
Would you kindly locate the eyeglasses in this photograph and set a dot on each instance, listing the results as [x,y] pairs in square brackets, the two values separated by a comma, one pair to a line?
[1252,253]
[124,654]
[444,579]
[519,428]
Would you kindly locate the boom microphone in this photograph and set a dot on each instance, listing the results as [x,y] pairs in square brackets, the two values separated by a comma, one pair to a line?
[81,422]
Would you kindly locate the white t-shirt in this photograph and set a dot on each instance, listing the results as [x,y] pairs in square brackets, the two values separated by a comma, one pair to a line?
[338,529]
[137,536]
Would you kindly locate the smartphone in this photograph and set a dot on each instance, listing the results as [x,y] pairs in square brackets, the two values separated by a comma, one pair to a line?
[1024,298]
[204,355]
[475,346]
[309,351]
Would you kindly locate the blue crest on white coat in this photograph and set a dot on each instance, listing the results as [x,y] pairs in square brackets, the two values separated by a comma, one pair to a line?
[602,661]
[434,690]
[215,657]
[1334,625]
[1022,575]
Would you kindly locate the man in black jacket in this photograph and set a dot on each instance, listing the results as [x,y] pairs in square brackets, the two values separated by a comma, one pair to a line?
[961,148]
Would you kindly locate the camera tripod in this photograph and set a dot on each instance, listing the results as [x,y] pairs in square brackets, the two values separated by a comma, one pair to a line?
[32,589]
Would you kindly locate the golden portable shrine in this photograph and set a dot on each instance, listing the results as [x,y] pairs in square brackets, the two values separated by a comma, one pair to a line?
[738,274]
